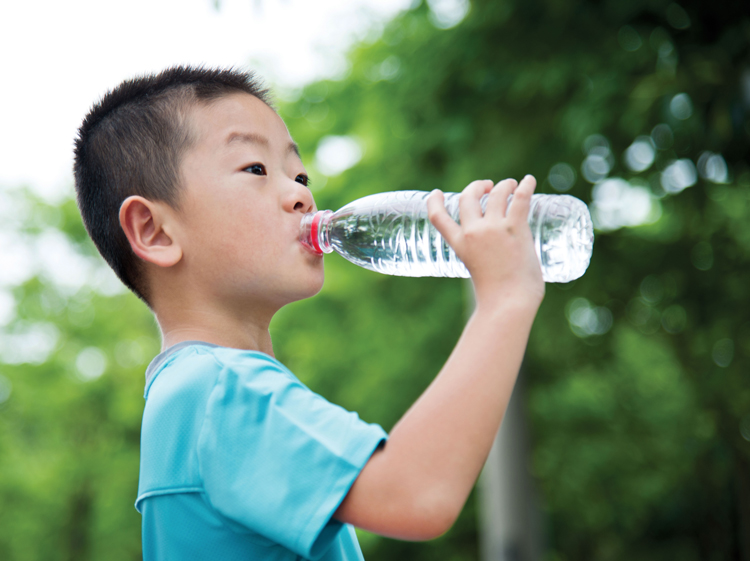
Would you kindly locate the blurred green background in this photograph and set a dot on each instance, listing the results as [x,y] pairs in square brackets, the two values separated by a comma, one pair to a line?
[636,375]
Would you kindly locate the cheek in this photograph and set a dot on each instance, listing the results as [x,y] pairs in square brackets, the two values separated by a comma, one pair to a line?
[250,244]
[238,223]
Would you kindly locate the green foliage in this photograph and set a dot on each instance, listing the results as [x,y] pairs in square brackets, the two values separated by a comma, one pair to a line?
[638,448]
[640,425]
[73,360]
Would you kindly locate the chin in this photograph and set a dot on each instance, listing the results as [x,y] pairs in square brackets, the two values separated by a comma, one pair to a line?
[313,285]
[316,286]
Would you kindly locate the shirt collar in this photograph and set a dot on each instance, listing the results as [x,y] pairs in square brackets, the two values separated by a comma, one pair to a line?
[162,357]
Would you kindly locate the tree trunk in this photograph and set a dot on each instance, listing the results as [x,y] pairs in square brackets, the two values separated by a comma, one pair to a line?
[509,516]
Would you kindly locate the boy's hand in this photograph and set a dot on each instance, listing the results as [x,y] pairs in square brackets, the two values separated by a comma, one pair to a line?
[496,247]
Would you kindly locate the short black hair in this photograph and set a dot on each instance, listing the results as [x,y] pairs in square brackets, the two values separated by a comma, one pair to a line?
[132,142]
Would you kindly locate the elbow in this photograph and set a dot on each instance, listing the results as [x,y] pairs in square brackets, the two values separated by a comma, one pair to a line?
[439,526]
[432,517]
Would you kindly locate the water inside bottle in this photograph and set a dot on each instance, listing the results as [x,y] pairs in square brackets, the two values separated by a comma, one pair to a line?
[391,233]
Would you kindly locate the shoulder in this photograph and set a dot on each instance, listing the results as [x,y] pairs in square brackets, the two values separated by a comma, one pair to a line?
[243,360]
[243,377]
[249,367]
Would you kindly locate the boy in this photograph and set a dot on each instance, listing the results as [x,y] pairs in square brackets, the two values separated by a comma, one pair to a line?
[193,190]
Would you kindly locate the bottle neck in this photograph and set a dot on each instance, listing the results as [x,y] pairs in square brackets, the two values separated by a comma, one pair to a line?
[315,231]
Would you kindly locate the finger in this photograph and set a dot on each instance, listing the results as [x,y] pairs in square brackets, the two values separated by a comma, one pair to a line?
[468,203]
[519,209]
[497,203]
[440,218]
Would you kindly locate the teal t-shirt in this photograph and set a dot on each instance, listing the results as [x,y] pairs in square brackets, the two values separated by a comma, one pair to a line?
[240,460]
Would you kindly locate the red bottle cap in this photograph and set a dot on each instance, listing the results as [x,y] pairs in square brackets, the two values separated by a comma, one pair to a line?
[314,231]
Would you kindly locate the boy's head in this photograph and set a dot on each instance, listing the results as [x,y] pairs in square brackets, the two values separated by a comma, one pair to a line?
[182,160]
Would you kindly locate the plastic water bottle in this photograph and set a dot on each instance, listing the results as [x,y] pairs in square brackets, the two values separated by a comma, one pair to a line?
[391,233]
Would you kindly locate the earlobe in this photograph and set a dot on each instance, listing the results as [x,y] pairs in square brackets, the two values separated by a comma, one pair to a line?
[145,225]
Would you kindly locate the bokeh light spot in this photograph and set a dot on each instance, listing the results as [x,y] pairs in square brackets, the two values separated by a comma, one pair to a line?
[713,167]
[445,14]
[652,289]
[562,177]
[28,342]
[91,363]
[723,352]
[597,165]
[640,155]
[677,16]
[336,154]
[586,320]
[662,136]
[629,38]
[681,106]
[390,67]
[617,203]
[594,141]
[129,354]
[678,175]
[644,316]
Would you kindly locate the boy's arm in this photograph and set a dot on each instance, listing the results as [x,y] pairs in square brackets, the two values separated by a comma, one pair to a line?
[416,485]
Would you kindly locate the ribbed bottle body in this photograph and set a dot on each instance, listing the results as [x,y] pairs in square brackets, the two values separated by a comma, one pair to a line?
[391,233]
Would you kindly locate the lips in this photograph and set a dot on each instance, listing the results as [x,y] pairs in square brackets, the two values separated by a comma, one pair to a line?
[309,249]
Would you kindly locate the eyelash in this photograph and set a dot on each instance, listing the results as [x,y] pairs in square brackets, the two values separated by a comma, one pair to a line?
[261,166]
[305,179]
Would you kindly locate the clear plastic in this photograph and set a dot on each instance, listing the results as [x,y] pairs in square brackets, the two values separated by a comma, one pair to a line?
[391,233]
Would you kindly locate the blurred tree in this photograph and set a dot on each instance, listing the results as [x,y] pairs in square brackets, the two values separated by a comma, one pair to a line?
[638,396]
[73,350]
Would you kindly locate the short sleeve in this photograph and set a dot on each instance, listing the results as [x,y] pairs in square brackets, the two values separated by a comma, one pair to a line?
[277,458]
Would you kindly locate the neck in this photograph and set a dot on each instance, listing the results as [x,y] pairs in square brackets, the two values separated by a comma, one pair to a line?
[238,331]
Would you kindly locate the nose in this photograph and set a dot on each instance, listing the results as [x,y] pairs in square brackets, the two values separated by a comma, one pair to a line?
[299,199]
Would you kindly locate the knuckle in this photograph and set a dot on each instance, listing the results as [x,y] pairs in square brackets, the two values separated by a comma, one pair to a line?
[478,184]
[471,234]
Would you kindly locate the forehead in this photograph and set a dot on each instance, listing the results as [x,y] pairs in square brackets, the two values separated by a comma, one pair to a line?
[240,114]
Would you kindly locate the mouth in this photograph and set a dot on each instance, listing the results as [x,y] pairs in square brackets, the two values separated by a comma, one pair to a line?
[310,250]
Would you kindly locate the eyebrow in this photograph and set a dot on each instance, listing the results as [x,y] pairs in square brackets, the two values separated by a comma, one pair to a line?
[250,138]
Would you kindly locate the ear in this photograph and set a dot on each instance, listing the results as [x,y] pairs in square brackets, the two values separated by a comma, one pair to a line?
[146,225]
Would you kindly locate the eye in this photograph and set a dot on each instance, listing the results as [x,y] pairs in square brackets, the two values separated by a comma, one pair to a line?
[257,169]
[303,179]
